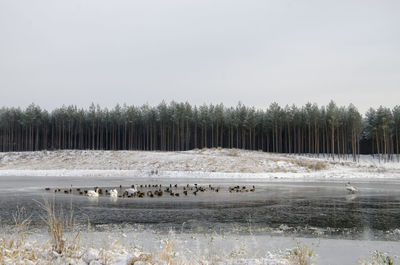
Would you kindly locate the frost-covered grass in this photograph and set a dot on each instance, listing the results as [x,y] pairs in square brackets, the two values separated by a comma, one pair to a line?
[379,258]
[152,248]
[20,248]
[300,255]
[63,245]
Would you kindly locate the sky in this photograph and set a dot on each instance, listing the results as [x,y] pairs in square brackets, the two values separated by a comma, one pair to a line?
[257,52]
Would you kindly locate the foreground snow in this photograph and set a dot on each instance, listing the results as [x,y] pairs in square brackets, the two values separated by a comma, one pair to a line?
[103,248]
[207,163]
[148,247]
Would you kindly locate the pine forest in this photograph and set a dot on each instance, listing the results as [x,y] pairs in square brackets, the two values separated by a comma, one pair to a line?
[329,130]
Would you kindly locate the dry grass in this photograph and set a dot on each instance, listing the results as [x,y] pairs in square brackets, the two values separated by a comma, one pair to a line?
[57,224]
[233,152]
[318,166]
[17,249]
[142,258]
[301,255]
[312,165]
[12,246]
[379,258]
[168,254]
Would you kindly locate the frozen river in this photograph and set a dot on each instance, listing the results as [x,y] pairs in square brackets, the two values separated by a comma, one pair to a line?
[308,210]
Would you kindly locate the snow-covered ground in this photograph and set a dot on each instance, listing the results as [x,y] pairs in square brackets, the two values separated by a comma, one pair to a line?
[206,163]
[149,247]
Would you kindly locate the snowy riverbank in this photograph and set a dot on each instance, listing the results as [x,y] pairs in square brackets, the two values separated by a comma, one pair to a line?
[207,163]
[120,247]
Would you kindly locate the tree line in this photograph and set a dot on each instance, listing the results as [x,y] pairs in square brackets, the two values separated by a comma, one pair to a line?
[334,130]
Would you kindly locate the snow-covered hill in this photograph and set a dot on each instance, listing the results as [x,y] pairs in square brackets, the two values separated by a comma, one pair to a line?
[213,163]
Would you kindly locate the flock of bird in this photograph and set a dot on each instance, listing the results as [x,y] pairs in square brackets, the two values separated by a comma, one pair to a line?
[154,190]
[158,190]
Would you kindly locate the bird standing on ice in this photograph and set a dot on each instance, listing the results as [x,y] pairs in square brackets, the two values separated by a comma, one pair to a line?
[92,193]
[114,193]
[131,190]
[351,188]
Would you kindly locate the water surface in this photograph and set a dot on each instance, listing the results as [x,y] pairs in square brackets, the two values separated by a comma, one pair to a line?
[321,209]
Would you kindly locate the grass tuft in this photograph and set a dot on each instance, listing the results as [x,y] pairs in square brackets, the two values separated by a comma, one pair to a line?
[168,254]
[57,224]
[379,258]
[142,258]
[12,247]
[301,255]
[312,165]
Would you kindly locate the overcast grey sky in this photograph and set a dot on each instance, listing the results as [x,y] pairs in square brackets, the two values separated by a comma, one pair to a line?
[202,51]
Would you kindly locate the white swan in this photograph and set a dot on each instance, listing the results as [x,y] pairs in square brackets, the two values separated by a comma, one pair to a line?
[92,193]
[131,191]
[114,193]
[350,188]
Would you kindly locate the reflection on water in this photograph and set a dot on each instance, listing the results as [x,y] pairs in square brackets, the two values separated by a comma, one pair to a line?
[319,209]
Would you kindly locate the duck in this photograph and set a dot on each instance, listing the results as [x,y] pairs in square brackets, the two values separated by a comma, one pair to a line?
[351,188]
[158,193]
[93,193]
[113,193]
